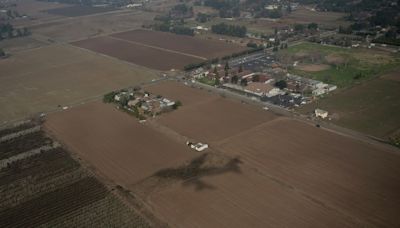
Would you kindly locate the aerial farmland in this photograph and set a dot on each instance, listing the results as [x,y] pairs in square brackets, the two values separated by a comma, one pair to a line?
[216,113]
[254,153]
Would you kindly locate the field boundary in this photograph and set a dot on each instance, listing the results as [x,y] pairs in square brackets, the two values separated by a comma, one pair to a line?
[158,48]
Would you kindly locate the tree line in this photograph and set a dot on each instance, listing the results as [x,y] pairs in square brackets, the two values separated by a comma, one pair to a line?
[230,30]
[7,31]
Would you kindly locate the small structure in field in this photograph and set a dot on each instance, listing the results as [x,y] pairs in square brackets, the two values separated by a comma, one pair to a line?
[321,113]
[198,146]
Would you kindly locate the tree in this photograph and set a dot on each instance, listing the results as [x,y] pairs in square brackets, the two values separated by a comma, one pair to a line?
[281,84]
[19,32]
[226,66]
[215,71]
[234,79]
[299,27]
[230,30]
[217,82]
[256,78]
[26,32]
[312,26]
[177,104]
[240,68]
[243,82]
[123,101]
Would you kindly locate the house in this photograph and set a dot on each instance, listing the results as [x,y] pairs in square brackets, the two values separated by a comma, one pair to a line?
[166,103]
[262,89]
[263,78]
[318,91]
[246,74]
[132,103]
[321,113]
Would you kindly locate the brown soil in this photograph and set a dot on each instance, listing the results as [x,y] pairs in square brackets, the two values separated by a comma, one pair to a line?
[38,80]
[181,43]
[313,67]
[395,76]
[115,143]
[136,53]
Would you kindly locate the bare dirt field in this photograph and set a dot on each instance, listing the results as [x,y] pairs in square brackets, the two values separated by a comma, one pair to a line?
[291,175]
[115,143]
[344,175]
[395,76]
[313,67]
[216,119]
[207,117]
[21,43]
[245,199]
[185,44]
[305,15]
[136,53]
[178,91]
[40,79]
[262,170]
[72,29]
[76,11]
[36,10]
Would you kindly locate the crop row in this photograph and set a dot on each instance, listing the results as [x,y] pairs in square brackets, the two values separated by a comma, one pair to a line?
[22,144]
[41,166]
[26,189]
[54,204]
[108,212]
[21,127]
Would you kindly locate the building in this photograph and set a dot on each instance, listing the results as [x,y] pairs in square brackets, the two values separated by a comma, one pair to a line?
[262,89]
[321,113]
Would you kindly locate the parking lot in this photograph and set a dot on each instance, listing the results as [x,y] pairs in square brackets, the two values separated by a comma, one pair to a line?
[255,62]
[285,101]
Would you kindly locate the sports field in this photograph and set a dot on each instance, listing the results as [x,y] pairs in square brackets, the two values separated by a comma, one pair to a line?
[339,66]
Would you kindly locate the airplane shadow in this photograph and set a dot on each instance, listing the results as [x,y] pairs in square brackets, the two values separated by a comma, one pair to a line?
[192,173]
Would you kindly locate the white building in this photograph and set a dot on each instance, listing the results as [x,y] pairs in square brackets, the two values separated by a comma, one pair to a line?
[321,113]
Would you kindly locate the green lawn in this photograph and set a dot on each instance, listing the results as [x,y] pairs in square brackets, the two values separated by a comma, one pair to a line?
[207,81]
[372,107]
[355,64]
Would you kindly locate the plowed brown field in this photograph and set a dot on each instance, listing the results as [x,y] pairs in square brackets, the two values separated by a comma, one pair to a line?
[158,50]
[115,143]
[284,173]
[136,53]
[185,44]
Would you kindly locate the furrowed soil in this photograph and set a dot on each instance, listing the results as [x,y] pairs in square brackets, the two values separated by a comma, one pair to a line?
[40,80]
[136,53]
[181,43]
[115,143]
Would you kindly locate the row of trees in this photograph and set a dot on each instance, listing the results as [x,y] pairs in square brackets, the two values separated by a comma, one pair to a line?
[230,30]
[2,53]
[177,29]
[8,31]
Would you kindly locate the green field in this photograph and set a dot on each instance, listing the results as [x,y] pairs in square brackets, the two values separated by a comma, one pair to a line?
[207,81]
[372,107]
[346,66]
